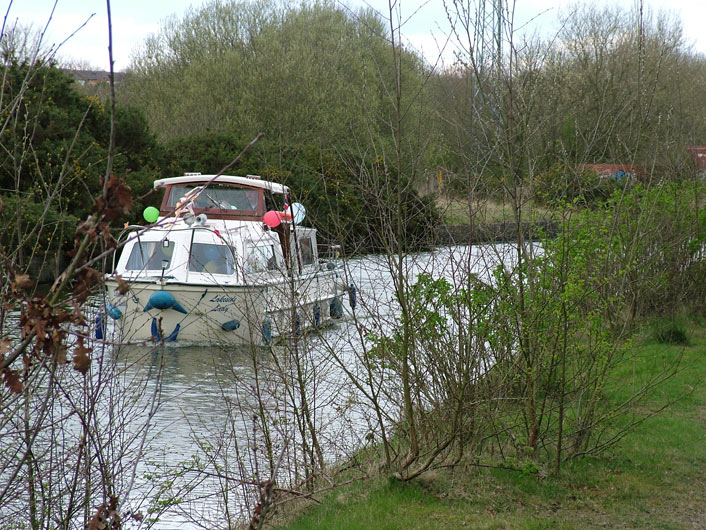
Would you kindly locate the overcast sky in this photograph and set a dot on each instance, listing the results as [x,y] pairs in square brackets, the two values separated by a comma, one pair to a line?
[133,20]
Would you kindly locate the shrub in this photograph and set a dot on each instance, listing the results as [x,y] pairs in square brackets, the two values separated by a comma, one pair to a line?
[563,184]
[670,331]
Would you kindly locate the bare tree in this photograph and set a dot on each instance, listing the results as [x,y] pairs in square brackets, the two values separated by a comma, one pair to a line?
[70,445]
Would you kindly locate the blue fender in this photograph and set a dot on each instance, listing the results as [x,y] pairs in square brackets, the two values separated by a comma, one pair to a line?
[352,296]
[164,300]
[100,326]
[155,330]
[101,322]
[158,337]
[114,312]
[317,315]
[174,334]
[335,308]
[266,330]
[231,325]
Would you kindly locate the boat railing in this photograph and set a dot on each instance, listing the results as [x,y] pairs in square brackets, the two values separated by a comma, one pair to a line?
[330,256]
[329,252]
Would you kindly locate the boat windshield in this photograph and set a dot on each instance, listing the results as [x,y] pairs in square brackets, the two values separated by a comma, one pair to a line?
[211,259]
[261,258]
[219,197]
[150,255]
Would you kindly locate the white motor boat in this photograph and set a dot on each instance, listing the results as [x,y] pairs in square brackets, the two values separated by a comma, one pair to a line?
[225,259]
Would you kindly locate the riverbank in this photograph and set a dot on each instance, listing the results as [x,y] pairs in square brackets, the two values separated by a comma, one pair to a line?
[494,232]
[493,222]
[654,478]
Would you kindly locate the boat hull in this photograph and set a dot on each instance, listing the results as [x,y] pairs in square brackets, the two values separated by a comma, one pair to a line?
[207,314]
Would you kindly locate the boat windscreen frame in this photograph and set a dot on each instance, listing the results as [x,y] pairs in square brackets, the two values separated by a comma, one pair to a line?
[207,196]
[236,273]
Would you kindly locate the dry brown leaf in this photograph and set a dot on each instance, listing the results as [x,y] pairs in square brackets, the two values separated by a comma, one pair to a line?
[118,201]
[86,281]
[123,286]
[98,521]
[12,380]
[82,362]
[61,355]
[22,282]
[107,236]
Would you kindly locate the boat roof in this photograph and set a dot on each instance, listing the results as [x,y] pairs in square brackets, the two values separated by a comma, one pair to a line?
[250,180]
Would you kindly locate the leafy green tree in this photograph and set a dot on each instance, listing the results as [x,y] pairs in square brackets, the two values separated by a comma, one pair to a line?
[55,146]
[309,73]
[613,86]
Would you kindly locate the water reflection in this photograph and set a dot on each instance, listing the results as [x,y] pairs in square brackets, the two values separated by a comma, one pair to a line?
[194,421]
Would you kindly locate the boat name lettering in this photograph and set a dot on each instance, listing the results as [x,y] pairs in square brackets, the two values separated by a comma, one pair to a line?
[223,299]
[220,309]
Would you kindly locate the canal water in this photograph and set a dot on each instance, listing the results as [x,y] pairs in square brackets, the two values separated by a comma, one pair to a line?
[198,421]
[207,395]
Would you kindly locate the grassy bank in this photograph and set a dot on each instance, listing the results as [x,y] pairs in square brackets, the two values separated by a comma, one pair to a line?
[458,211]
[654,478]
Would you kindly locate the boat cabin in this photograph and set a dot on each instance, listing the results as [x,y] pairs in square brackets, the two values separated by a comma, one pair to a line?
[212,231]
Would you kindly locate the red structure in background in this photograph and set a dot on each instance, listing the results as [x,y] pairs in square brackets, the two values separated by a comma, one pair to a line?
[617,172]
[698,155]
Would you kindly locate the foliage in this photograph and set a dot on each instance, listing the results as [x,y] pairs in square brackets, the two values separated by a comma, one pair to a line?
[651,480]
[671,331]
[647,244]
[455,343]
[560,184]
[603,90]
[206,153]
[518,370]
[68,458]
[55,147]
[303,74]
[58,451]
[56,226]
[519,366]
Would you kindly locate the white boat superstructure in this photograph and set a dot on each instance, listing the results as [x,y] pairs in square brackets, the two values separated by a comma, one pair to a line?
[224,260]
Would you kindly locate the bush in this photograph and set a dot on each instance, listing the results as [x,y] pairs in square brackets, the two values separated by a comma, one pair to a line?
[563,184]
[670,331]
[643,251]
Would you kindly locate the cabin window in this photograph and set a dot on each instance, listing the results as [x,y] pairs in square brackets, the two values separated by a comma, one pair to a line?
[150,255]
[261,258]
[211,259]
[218,197]
[307,250]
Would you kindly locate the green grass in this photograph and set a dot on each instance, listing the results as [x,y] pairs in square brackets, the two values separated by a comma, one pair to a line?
[457,211]
[654,478]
